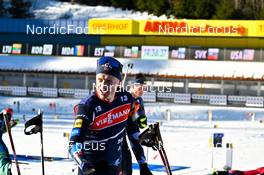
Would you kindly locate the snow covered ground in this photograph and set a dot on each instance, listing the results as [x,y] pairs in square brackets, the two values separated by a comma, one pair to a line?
[155,111]
[186,136]
[185,139]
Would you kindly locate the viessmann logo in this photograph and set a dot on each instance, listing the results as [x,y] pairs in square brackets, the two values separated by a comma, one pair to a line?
[112,117]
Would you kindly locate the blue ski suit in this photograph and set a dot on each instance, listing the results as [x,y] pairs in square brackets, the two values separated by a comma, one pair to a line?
[99,131]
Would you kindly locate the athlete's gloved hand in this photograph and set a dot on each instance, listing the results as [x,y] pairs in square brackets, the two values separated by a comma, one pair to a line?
[85,165]
[87,168]
[142,121]
[144,170]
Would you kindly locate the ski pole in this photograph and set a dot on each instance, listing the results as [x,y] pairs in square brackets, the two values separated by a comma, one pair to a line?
[166,161]
[166,158]
[11,140]
[128,66]
[41,142]
[162,150]
[42,153]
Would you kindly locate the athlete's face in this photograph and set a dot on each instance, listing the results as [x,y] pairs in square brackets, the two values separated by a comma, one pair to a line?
[138,90]
[106,86]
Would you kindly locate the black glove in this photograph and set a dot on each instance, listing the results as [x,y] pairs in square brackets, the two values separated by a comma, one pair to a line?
[87,168]
[144,170]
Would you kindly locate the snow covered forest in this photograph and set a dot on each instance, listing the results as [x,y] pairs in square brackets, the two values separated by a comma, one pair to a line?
[175,9]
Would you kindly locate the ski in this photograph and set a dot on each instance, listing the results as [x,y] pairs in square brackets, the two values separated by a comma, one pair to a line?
[38,158]
[151,137]
[11,140]
[25,163]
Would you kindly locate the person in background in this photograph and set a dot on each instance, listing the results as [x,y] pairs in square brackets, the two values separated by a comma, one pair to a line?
[137,90]
[5,160]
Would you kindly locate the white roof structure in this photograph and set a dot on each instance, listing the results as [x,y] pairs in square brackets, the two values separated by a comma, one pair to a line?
[189,68]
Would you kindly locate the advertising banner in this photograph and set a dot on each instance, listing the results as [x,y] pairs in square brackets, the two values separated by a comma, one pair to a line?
[110,27]
[199,54]
[45,49]
[213,54]
[13,48]
[99,51]
[72,50]
[131,52]
[177,53]
[196,27]
[155,52]
[246,54]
